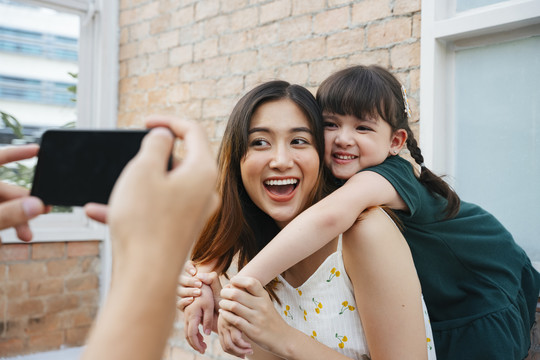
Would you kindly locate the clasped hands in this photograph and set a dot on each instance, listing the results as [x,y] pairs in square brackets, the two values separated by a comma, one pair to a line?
[242,313]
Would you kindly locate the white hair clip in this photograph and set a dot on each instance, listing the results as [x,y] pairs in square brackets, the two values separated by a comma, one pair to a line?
[406,101]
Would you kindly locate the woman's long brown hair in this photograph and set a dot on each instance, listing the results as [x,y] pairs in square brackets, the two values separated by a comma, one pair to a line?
[239,227]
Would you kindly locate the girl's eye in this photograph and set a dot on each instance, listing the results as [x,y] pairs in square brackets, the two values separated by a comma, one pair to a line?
[328,124]
[363,128]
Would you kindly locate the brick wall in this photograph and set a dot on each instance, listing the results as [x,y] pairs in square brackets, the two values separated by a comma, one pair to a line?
[195,58]
[49,295]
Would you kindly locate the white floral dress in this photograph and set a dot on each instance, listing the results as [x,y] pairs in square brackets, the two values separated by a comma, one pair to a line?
[324,308]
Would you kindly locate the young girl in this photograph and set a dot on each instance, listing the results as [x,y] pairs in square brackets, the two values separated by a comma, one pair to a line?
[478,284]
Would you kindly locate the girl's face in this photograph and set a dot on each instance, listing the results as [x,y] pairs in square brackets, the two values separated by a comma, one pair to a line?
[281,165]
[353,144]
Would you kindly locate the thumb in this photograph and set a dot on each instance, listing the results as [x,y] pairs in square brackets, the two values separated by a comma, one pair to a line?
[156,147]
[18,211]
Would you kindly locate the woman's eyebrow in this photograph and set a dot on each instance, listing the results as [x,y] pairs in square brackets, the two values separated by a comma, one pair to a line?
[301,129]
[258,129]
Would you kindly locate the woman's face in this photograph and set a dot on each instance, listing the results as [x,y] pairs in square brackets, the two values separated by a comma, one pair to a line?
[281,165]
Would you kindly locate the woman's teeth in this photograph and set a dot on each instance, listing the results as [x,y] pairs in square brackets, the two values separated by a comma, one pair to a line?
[281,182]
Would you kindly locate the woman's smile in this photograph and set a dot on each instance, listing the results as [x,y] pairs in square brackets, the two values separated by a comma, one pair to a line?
[281,165]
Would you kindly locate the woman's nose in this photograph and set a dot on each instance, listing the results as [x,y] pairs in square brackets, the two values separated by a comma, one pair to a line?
[281,158]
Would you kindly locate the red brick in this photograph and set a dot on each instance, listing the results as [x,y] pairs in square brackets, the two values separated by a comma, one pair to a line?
[58,303]
[77,336]
[45,287]
[15,290]
[25,271]
[275,10]
[20,308]
[42,324]
[15,328]
[77,318]
[46,341]
[48,250]
[83,248]
[63,267]
[331,20]
[9,347]
[81,283]
[389,32]
[14,252]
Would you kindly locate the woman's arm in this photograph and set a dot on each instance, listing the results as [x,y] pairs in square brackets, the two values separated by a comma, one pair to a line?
[321,223]
[248,307]
[386,287]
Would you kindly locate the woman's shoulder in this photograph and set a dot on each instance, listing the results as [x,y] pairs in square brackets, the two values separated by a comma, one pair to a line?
[375,222]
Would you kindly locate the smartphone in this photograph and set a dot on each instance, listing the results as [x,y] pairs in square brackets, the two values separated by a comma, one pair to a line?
[77,166]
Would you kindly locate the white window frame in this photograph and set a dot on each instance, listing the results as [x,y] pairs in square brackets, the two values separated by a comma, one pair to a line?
[97,94]
[443,32]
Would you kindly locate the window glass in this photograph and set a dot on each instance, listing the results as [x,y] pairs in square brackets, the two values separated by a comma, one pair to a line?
[38,78]
[463,5]
[497,134]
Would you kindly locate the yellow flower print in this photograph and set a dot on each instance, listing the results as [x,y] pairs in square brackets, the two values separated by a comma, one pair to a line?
[305,312]
[428,343]
[299,292]
[342,340]
[287,312]
[333,273]
[318,305]
[345,307]
[314,335]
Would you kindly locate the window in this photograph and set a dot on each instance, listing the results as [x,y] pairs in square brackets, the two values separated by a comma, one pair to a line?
[60,52]
[480,122]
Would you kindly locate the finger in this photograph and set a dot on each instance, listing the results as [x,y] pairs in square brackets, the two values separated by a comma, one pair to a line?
[193,336]
[238,339]
[19,211]
[155,149]
[97,212]
[249,284]
[211,279]
[208,321]
[23,232]
[235,325]
[185,292]
[228,345]
[8,191]
[183,302]
[17,153]
[190,268]
[189,281]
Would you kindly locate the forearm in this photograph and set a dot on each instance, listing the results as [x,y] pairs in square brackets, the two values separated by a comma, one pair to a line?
[296,345]
[141,302]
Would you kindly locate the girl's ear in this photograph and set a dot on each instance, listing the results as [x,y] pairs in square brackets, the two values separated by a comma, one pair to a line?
[399,137]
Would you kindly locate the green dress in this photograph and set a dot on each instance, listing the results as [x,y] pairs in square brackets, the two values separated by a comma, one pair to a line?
[478,284]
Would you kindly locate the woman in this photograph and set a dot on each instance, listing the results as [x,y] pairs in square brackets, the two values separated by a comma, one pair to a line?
[271,169]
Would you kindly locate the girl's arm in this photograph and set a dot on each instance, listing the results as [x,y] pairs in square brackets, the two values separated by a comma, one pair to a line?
[248,307]
[386,287]
[321,223]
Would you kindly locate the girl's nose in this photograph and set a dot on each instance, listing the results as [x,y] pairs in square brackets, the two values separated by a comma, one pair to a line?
[344,138]
[281,158]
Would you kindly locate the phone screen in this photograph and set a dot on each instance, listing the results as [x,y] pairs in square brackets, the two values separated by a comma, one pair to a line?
[78,166]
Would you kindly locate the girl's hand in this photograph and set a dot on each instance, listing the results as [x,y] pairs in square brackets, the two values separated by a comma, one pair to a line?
[248,307]
[203,309]
[189,286]
[231,339]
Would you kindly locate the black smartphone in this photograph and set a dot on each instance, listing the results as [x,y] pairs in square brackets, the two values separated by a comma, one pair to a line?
[77,166]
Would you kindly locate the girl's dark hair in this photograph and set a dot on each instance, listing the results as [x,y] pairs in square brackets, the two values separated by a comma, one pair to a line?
[239,227]
[364,91]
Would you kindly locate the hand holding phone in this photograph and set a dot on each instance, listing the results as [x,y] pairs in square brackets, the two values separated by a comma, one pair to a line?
[78,166]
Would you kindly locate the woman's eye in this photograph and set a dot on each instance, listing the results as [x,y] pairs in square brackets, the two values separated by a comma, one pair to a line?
[300,141]
[259,142]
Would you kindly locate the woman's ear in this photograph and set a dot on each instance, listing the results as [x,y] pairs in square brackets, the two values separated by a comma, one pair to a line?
[399,137]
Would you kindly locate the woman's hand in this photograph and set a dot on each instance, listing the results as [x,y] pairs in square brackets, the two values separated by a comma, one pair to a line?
[248,307]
